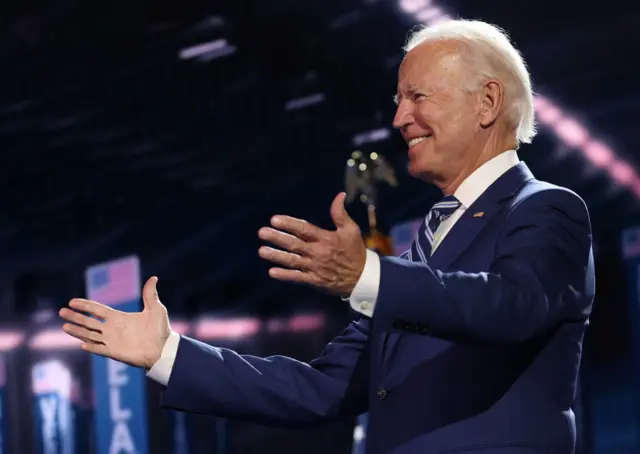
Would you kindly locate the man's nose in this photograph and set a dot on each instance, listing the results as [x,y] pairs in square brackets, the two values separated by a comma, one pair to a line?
[403,117]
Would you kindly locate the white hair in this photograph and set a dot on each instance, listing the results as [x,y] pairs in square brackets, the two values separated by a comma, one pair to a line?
[494,56]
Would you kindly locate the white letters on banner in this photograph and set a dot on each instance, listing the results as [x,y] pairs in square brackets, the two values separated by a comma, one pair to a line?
[121,439]
[48,409]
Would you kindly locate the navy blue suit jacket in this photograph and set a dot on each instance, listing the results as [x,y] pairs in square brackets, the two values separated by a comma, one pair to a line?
[475,352]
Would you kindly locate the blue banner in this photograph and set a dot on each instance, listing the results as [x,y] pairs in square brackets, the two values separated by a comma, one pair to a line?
[360,435]
[120,390]
[402,235]
[51,384]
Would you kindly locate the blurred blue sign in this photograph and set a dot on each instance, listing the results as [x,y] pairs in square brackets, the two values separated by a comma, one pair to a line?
[360,435]
[51,385]
[120,390]
[402,235]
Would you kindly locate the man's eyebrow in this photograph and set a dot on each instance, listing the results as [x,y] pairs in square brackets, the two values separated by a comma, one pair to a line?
[410,90]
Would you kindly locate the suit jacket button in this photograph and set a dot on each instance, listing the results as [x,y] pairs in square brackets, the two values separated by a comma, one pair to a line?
[382,393]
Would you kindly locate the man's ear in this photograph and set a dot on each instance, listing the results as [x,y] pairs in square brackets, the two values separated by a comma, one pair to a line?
[491,102]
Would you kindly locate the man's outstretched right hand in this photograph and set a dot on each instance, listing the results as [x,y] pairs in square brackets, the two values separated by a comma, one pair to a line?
[135,338]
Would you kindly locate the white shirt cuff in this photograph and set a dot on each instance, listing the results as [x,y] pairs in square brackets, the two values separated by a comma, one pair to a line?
[161,371]
[364,295]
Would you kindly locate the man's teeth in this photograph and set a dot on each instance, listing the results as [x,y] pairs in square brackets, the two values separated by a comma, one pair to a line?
[417,140]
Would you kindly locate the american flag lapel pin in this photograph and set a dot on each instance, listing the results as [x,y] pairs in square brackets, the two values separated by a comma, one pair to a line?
[479,214]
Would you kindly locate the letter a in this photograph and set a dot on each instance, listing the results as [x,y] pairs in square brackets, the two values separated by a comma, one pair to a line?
[121,441]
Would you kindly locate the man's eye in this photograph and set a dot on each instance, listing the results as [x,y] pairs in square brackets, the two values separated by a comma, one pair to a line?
[418,96]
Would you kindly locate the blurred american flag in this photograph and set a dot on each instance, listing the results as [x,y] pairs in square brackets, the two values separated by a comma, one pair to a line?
[49,377]
[403,235]
[114,282]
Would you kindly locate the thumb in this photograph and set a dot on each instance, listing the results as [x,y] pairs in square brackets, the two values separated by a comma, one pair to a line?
[338,212]
[150,296]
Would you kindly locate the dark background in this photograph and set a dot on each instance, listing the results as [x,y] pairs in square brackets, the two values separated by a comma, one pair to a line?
[111,145]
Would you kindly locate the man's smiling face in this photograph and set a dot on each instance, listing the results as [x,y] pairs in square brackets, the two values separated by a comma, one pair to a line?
[438,111]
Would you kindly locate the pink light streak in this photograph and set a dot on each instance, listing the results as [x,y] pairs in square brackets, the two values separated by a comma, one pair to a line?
[180,326]
[306,322]
[230,328]
[414,6]
[576,136]
[10,340]
[53,339]
[206,328]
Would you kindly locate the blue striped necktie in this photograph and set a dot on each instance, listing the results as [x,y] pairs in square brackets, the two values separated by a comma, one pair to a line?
[425,236]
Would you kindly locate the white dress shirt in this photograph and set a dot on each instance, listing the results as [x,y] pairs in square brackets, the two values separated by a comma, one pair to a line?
[365,293]
[161,371]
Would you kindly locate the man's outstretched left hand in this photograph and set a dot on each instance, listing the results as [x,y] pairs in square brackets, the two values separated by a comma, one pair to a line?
[328,260]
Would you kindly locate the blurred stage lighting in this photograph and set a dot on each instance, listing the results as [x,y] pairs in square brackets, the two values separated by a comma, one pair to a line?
[10,340]
[207,51]
[306,101]
[53,339]
[210,328]
[205,328]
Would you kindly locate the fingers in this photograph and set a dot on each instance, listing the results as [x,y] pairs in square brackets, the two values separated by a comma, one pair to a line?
[90,307]
[297,276]
[338,212]
[82,333]
[98,349]
[80,319]
[150,293]
[283,240]
[83,327]
[298,227]
[284,258]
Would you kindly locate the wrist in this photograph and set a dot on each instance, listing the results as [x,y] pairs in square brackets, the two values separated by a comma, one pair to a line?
[352,283]
[156,352]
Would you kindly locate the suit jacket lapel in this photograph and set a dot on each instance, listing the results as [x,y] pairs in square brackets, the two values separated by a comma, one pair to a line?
[465,230]
[462,235]
[479,215]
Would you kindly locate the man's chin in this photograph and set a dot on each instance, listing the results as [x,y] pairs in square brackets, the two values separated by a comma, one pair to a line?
[416,168]
[421,173]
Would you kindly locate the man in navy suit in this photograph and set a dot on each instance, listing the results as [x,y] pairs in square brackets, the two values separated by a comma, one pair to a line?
[470,342]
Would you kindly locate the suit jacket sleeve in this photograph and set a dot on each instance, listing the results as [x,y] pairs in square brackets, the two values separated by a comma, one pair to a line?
[277,390]
[541,276]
